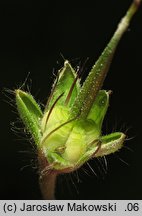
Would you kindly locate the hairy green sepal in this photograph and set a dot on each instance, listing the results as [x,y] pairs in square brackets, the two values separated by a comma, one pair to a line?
[30,113]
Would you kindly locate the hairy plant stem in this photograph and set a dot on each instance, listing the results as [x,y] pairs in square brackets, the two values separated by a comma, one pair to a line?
[47,186]
[47,178]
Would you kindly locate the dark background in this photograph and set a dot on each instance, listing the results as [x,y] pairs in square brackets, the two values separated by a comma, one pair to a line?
[34,38]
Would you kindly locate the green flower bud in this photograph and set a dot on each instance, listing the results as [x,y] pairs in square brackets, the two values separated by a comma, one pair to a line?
[67,142]
[69,131]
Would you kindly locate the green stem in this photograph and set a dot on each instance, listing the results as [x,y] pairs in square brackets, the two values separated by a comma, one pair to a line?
[95,79]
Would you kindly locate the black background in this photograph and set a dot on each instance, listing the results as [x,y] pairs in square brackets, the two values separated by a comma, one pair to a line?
[34,38]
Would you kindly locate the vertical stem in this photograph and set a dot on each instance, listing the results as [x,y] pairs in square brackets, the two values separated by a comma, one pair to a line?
[47,178]
[47,185]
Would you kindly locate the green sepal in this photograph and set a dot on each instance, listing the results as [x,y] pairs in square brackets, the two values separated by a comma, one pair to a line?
[30,113]
[62,85]
[99,108]
[96,76]
[58,161]
[104,146]
[111,143]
